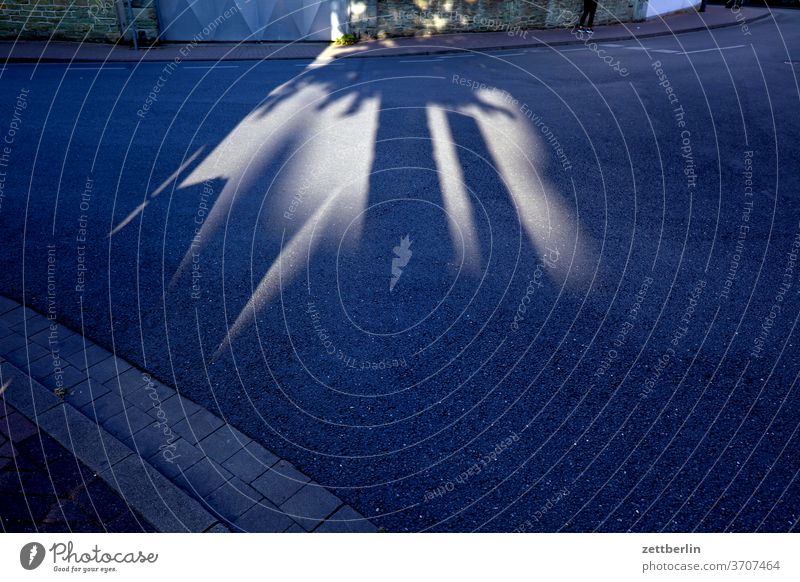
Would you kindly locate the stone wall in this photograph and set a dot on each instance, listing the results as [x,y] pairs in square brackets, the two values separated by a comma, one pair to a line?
[99,20]
[145,18]
[384,18]
[79,20]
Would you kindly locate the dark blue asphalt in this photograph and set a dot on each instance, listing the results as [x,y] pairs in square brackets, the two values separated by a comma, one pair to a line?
[594,340]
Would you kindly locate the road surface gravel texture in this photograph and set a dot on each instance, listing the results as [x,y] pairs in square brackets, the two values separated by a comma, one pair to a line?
[553,289]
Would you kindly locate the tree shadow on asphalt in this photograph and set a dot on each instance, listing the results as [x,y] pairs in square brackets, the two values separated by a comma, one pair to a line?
[314,332]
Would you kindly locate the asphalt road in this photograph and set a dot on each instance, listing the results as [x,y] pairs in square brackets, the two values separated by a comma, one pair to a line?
[591,324]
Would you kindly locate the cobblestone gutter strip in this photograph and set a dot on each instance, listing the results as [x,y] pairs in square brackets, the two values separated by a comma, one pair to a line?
[177,464]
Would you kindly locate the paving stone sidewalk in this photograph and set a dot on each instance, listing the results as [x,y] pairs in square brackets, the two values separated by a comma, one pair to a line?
[111,428]
[56,51]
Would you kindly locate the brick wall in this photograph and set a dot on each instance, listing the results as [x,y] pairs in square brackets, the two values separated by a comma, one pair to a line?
[81,20]
[412,17]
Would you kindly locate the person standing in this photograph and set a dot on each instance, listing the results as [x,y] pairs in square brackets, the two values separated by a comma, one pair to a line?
[589,8]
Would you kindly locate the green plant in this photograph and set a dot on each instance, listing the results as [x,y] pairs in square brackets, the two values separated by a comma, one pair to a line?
[346,40]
